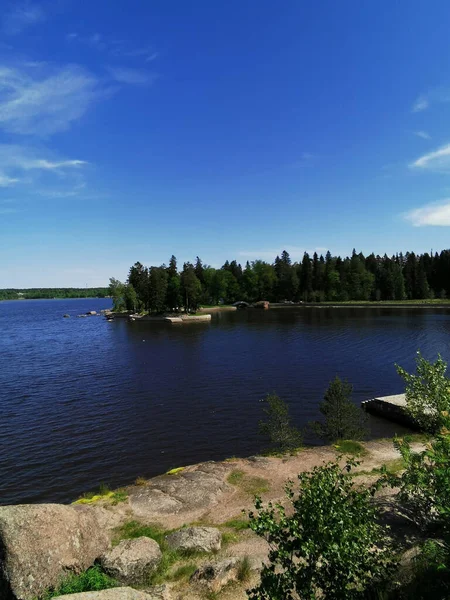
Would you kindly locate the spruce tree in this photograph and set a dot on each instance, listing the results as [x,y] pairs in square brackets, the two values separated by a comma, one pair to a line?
[343,420]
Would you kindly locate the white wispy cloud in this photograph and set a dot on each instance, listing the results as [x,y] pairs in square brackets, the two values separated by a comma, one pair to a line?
[422,134]
[436,213]
[21,16]
[44,101]
[6,181]
[26,158]
[43,163]
[39,171]
[435,96]
[438,160]
[422,103]
[131,76]
[117,48]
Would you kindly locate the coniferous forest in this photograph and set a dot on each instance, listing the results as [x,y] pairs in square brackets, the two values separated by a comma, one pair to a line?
[316,278]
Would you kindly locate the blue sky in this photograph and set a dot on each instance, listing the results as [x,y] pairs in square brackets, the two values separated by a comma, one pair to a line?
[134,130]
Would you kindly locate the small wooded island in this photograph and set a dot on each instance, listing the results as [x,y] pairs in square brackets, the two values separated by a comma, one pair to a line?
[408,278]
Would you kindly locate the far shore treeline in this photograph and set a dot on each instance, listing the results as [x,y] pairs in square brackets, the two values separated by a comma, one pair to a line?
[326,278]
[42,293]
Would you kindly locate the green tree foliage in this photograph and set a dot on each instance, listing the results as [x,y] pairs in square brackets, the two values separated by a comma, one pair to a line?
[158,288]
[130,298]
[427,392]
[326,544]
[424,493]
[278,427]
[138,277]
[343,420]
[191,288]
[313,279]
[173,296]
[117,292]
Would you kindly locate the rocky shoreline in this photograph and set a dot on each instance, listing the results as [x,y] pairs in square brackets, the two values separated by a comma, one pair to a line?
[196,508]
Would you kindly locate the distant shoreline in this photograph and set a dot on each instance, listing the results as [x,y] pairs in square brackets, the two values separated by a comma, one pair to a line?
[68,298]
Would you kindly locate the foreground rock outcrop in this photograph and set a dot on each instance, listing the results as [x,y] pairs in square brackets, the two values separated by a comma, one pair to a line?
[132,561]
[122,593]
[195,539]
[215,576]
[189,490]
[40,544]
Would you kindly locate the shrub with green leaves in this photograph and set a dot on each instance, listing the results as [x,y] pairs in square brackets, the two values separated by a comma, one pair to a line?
[427,392]
[424,494]
[343,420]
[425,483]
[278,427]
[326,544]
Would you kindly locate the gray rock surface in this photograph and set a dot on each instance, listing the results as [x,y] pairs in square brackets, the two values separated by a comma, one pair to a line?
[40,544]
[216,575]
[132,561]
[159,592]
[122,593]
[199,539]
[190,490]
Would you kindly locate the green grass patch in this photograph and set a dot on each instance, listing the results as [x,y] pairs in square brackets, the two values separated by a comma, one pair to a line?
[228,537]
[141,481]
[237,524]
[104,493]
[183,572]
[175,471]
[92,580]
[236,477]
[134,529]
[282,453]
[244,570]
[253,486]
[350,447]
[393,467]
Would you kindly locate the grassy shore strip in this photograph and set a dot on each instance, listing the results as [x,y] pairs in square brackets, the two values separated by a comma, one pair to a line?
[435,303]
[215,308]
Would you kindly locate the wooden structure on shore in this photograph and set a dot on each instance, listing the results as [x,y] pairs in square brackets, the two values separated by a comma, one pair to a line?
[390,407]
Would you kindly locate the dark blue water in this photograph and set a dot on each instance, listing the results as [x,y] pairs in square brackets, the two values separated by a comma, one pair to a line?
[84,401]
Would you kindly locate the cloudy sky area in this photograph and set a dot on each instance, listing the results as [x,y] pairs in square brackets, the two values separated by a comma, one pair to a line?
[134,130]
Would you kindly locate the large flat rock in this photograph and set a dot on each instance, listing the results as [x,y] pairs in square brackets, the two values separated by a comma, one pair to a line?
[40,544]
[192,489]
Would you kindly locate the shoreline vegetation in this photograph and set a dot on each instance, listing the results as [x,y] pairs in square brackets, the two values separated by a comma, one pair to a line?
[358,280]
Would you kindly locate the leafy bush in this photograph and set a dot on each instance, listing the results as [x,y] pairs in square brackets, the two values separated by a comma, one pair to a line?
[343,420]
[427,392]
[330,546]
[93,579]
[424,491]
[282,434]
[425,483]
[431,574]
